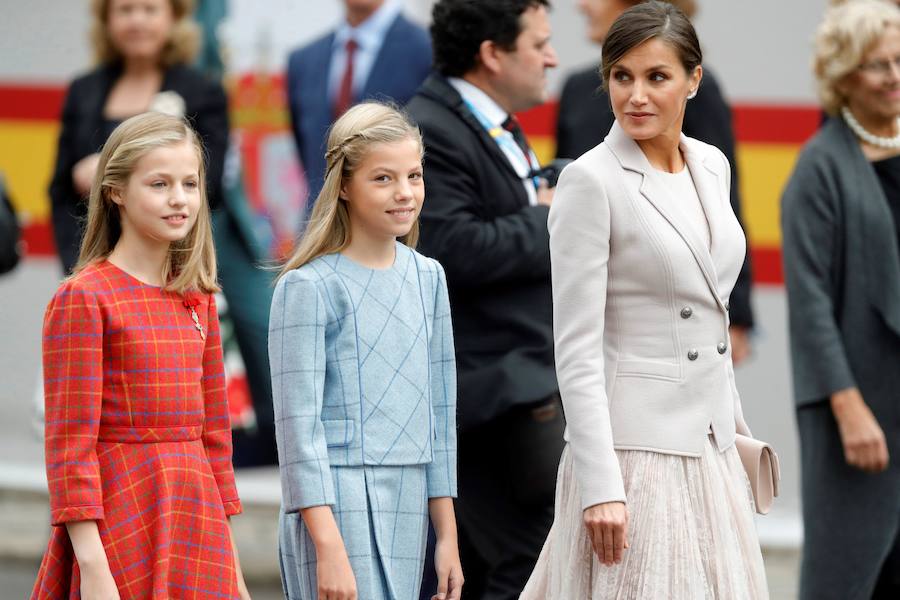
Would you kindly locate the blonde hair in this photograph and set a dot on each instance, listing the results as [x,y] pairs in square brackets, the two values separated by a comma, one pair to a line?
[350,139]
[192,261]
[182,47]
[847,33]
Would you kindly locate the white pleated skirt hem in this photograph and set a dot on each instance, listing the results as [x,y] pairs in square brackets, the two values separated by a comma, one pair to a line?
[691,534]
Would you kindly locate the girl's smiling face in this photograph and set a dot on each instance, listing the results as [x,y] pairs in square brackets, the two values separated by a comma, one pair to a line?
[162,198]
[386,191]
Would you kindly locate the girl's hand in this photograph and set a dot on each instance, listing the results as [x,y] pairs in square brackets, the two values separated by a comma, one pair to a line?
[97,583]
[607,526]
[334,575]
[863,439]
[449,570]
[83,173]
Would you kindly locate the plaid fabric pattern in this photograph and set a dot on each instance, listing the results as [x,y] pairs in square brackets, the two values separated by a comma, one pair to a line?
[388,394]
[383,511]
[363,374]
[137,438]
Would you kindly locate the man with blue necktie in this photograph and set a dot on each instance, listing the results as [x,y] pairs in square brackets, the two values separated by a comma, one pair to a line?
[374,53]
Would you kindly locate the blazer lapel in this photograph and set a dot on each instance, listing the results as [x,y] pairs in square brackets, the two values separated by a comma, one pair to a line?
[386,63]
[708,178]
[315,83]
[632,158]
[870,221]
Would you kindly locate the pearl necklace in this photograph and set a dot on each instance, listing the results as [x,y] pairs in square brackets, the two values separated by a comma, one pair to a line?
[870,138]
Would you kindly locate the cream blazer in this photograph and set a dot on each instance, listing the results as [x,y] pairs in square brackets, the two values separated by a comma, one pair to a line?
[640,308]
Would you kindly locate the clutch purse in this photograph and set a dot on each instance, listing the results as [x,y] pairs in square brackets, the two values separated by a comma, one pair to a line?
[761,464]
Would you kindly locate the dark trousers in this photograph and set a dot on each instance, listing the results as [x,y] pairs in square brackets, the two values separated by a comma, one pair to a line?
[888,586]
[248,289]
[507,481]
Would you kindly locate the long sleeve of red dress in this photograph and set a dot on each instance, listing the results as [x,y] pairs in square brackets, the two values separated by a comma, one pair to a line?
[73,391]
[216,423]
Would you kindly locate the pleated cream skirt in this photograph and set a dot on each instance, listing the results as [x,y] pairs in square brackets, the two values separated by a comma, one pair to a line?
[691,534]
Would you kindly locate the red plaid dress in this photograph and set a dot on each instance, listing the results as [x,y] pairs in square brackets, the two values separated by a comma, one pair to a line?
[137,438]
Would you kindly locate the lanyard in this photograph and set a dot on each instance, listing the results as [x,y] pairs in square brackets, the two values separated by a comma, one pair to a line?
[503,139]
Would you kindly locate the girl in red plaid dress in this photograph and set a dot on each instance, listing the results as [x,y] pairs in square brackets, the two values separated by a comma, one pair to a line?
[138,443]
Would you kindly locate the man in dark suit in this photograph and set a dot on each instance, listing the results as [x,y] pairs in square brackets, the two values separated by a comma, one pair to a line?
[585,117]
[375,53]
[485,220]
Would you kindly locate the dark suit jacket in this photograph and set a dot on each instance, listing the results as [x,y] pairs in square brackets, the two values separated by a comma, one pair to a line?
[82,133]
[495,249]
[403,62]
[585,117]
[842,276]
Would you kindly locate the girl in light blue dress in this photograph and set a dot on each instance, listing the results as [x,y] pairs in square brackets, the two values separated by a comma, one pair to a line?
[364,379]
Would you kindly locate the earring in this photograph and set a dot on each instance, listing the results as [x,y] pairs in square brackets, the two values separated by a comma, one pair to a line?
[692,95]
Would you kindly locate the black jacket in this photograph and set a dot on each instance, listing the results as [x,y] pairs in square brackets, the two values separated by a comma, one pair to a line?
[585,117]
[82,133]
[495,249]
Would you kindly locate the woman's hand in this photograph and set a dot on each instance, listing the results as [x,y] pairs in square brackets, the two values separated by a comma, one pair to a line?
[83,173]
[448,568]
[334,574]
[864,444]
[97,582]
[607,526]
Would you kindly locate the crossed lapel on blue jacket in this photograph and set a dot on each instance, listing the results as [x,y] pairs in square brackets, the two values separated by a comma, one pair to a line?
[706,179]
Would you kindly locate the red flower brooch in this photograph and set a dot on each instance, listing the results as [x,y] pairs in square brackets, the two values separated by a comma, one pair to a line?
[191,301]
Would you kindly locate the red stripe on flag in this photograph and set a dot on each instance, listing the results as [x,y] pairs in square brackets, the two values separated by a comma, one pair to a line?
[540,120]
[31,102]
[767,266]
[38,238]
[775,124]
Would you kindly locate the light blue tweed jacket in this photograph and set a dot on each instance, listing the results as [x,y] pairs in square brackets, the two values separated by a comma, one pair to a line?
[363,373]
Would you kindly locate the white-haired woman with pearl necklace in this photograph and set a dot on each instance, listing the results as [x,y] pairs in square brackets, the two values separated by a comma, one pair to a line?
[841,220]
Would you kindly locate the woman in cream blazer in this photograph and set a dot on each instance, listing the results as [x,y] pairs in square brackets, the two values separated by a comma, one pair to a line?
[652,500]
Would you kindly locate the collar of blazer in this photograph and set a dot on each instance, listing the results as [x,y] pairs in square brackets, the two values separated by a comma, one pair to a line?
[437,88]
[867,216]
[709,173]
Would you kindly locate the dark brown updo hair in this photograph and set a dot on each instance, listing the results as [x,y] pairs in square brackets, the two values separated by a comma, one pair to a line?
[645,22]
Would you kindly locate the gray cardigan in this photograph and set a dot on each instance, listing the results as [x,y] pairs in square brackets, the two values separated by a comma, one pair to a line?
[842,273]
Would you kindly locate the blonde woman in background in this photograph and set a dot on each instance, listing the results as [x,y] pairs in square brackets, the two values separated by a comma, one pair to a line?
[841,216]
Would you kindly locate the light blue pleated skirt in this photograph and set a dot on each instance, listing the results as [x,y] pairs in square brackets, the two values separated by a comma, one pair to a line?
[382,513]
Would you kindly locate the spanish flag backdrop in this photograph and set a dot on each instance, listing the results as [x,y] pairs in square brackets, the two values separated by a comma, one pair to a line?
[769,138]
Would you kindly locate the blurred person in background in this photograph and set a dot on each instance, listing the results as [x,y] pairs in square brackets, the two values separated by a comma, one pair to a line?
[10,233]
[374,53]
[143,49]
[585,117]
[485,221]
[840,218]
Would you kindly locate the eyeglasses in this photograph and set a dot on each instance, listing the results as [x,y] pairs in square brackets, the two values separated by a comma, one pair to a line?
[880,67]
